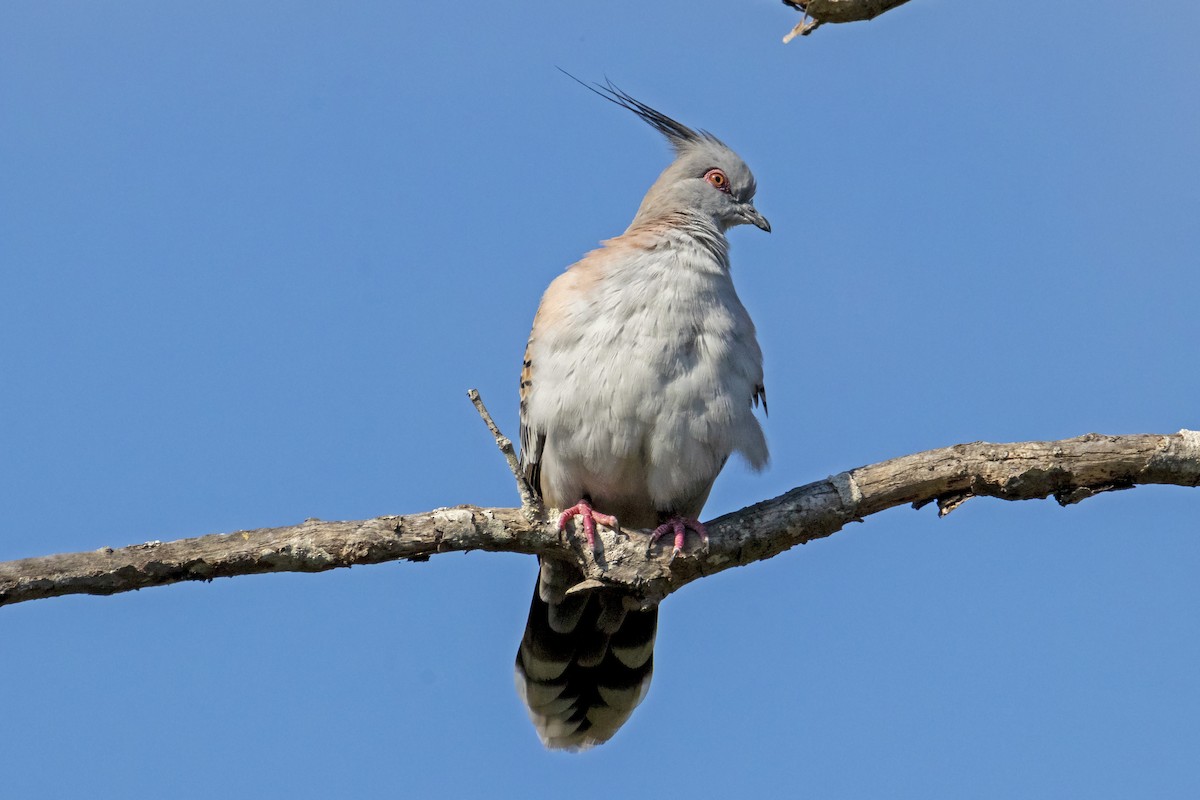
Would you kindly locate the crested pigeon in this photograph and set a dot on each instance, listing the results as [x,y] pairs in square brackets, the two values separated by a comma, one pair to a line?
[638,383]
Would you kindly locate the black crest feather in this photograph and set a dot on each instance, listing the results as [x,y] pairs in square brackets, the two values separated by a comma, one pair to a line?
[679,135]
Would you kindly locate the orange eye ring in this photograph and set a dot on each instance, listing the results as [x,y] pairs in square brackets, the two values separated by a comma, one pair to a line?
[718,179]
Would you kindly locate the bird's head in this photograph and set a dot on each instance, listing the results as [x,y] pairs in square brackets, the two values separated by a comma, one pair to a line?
[709,179]
[706,179]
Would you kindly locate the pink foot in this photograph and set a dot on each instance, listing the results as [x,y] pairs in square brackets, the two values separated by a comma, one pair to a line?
[679,526]
[590,517]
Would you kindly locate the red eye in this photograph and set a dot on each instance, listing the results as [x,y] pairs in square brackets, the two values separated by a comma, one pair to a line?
[717,178]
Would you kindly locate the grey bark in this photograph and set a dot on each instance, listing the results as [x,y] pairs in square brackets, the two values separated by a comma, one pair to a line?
[1070,470]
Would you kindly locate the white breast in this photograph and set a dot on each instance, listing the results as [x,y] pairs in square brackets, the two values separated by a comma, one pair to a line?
[643,385]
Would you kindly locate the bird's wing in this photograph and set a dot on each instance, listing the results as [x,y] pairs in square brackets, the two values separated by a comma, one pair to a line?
[533,440]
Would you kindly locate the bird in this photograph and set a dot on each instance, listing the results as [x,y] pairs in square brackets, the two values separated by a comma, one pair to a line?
[640,378]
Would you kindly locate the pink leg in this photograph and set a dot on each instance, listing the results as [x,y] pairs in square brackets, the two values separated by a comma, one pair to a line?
[590,517]
[679,526]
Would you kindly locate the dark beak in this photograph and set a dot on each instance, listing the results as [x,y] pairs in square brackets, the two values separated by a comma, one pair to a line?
[751,215]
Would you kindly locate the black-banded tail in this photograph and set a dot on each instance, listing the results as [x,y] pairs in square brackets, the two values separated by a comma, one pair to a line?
[585,660]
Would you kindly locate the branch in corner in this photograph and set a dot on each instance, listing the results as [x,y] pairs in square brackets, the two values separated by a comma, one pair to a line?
[818,12]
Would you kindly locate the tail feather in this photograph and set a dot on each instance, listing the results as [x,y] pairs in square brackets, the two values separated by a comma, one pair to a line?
[581,682]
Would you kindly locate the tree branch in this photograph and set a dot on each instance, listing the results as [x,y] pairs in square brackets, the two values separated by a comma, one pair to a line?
[818,12]
[1071,470]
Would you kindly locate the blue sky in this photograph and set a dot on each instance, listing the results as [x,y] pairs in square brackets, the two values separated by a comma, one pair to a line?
[252,255]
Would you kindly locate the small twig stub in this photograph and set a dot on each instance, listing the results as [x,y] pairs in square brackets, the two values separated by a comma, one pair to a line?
[530,505]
